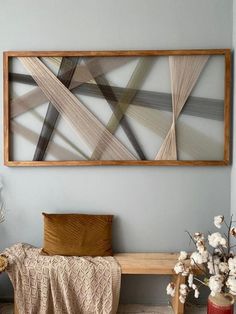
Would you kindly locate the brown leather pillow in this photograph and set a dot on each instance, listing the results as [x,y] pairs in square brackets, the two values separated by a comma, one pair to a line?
[77,234]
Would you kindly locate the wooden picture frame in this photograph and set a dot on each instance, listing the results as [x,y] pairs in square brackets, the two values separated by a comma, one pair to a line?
[24,55]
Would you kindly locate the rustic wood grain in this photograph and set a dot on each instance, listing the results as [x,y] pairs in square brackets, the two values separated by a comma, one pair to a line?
[118,53]
[15,308]
[227,106]
[6,107]
[177,306]
[147,263]
[116,163]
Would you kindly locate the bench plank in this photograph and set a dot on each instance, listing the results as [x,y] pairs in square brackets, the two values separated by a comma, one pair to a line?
[147,263]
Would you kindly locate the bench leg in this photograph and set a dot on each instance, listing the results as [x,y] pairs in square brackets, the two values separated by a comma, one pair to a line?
[15,306]
[15,309]
[177,306]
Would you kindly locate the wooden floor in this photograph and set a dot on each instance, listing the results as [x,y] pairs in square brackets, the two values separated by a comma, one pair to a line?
[128,309]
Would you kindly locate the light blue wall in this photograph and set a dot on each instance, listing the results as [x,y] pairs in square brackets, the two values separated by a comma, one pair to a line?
[233,173]
[153,205]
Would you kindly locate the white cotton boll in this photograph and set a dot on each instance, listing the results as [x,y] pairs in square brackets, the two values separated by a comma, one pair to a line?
[196,293]
[179,268]
[186,271]
[198,236]
[216,239]
[233,231]
[223,267]
[190,280]
[223,242]
[211,269]
[215,284]
[216,260]
[183,256]
[170,289]
[183,286]
[200,246]
[183,289]
[217,269]
[196,258]
[205,256]
[231,284]
[182,299]
[232,265]
[218,252]
[218,220]
[194,286]
[232,290]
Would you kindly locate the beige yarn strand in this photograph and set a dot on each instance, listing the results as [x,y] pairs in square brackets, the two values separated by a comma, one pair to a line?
[36,97]
[74,112]
[191,141]
[56,150]
[185,71]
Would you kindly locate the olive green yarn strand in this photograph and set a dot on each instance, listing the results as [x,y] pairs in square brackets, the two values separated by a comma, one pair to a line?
[140,72]
[135,82]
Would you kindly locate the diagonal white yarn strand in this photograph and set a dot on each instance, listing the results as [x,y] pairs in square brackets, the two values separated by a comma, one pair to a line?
[74,112]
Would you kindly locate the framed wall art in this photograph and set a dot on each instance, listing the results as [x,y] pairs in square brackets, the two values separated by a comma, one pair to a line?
[117,107]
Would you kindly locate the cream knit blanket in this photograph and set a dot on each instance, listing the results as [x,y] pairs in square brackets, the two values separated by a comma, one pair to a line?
[62,285]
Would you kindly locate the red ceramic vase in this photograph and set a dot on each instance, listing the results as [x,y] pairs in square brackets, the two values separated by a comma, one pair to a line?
[220,304]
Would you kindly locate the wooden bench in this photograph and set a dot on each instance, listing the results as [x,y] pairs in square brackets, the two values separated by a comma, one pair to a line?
[153,264]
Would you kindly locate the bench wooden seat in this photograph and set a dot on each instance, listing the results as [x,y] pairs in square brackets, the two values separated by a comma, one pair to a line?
[147,263]
[153,264]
